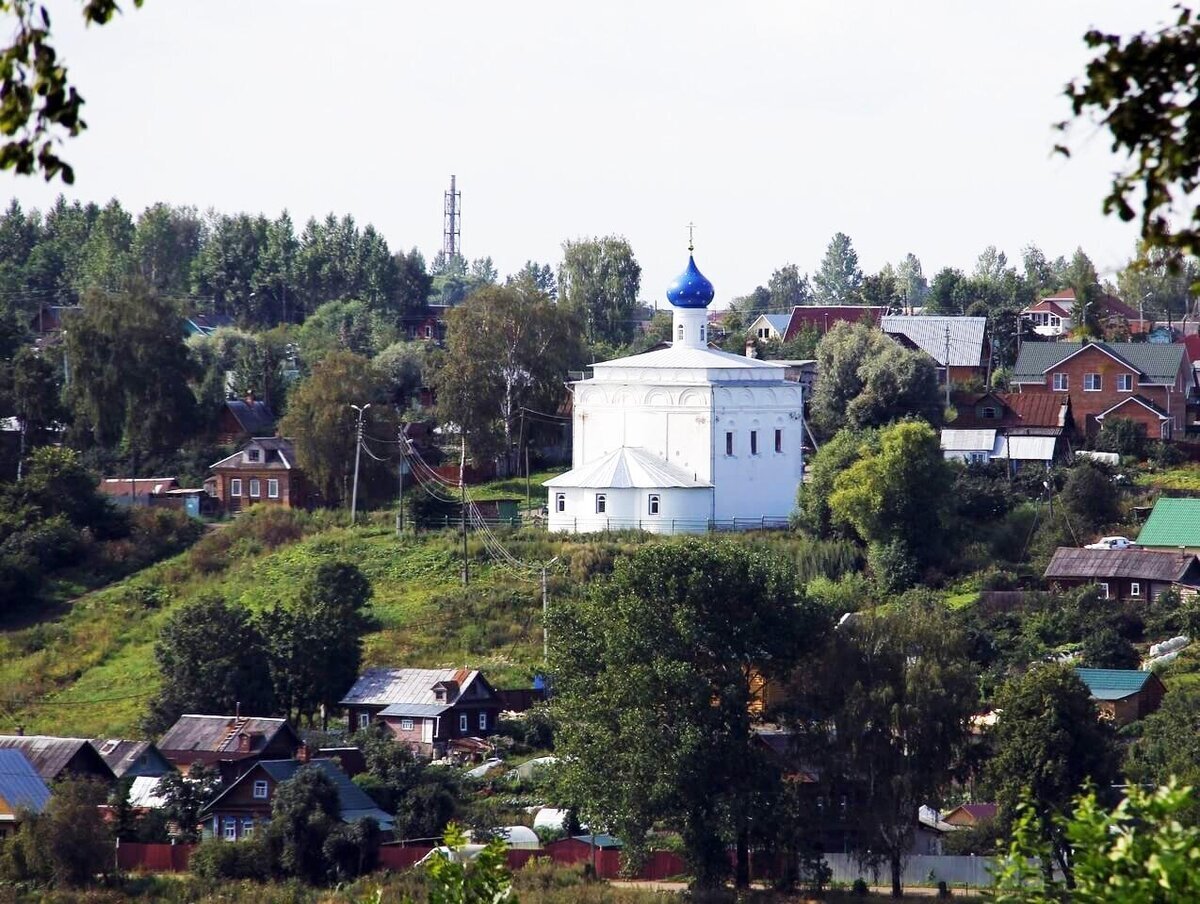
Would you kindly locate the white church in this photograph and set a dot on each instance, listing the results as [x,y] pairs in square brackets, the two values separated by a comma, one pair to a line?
[684,439]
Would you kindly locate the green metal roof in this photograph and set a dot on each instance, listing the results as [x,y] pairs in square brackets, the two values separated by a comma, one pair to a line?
[1160,362]
[1112,684]
[1174,522]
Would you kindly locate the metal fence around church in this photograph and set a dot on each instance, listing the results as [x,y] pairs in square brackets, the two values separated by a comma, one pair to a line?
[600,525]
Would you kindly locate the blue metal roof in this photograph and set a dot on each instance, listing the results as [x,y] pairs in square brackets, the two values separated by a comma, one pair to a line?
[20,785]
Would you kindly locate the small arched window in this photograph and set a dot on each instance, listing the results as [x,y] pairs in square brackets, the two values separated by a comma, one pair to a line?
[703,333]
[679,332]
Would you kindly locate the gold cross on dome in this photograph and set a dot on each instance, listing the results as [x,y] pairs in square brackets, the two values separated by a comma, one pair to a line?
[691,245]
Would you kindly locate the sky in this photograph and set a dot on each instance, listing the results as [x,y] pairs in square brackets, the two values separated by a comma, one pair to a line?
[922,126]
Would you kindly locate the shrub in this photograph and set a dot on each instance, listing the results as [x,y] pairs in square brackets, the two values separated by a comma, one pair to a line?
[859,888]
[893,565]
[226,860]
[1123,436]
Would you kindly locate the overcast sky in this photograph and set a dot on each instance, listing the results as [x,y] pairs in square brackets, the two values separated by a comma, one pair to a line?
[918,126]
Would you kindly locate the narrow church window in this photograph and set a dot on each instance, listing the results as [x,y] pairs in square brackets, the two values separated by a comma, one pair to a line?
[778,440]
[753,442]
[679,332]
[560,502]
[729,443]
[654,499]
[703,333]
[601,503]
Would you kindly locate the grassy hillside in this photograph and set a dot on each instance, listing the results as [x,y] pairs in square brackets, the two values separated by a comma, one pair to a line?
[91,669]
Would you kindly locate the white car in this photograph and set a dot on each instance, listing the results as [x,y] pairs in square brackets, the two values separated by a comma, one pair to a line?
[1112,543]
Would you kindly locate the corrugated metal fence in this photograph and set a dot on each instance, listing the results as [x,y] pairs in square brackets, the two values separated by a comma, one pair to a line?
[922,869]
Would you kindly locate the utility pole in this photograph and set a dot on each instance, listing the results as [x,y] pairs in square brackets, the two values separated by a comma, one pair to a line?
[462,486]
[358,440]
[947,365]
[400,498]
[546,611]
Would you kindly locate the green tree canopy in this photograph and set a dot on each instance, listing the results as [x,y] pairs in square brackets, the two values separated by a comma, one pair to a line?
[653,675]
[599,279]
[839,278]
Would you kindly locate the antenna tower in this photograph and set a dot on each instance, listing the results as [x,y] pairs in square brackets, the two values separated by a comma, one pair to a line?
[452,222]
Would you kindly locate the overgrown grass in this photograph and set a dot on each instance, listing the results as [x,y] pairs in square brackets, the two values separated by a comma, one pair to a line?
[1180,479]
[514,487]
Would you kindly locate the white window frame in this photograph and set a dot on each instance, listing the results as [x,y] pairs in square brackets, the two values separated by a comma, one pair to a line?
[601,503]
[247,827]
[1104,589]
[764,332]
[753,442]
[463,723]
[364,720]
[653,504]
[229,828]
[255,488]
[1096,381]
[989,413]
[483,721]
[272,487]
[406,724]
[1124,382]
[235,487]
[1135,588]
[1164,430]
[261,790]
[560,502]
[1054,320]
[428,332]
[1062,382]
[253,455]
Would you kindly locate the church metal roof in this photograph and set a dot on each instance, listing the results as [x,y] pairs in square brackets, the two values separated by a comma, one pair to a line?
[689,357]
[627,467]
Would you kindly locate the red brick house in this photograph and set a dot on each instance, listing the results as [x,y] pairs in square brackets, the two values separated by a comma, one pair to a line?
[427,709]
[1147,382]
[230,743]
[245,804]
[263,472]
[428,325]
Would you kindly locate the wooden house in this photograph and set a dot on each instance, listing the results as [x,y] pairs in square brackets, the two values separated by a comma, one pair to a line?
[132,758]
[58,758]
[231,744]
[1133,575]
[1123,695]
[242,419]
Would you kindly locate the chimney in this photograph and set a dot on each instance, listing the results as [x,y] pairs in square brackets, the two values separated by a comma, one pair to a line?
[237,709]
[303,755]
[751,349]
[245,741]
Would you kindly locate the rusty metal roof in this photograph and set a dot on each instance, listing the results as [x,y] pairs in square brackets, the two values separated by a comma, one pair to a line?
[50,755]
[219,734]
[388,687]
[1134,564]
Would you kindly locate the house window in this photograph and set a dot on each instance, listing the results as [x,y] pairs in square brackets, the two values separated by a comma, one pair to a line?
[1103,590]
[988,413]
[779,441]
[428,332]
[255,487]
[483,721]
[364,720]
[247,827]
[1061,383]
[272,488]
[235,486]
[1055,320]
[1091,383]
[560,502]
[1124,382]
[260,790]
[253,455]
[729,442]
[406,725]
[601,503]
[764,332]
[1135,589]
[229,828]
[753,442]
[679,333]
[652,507]
[463,724]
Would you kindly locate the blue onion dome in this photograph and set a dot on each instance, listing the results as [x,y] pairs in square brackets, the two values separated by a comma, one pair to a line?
[690,289]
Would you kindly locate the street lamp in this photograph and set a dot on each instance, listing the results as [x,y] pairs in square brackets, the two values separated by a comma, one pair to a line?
[357,453]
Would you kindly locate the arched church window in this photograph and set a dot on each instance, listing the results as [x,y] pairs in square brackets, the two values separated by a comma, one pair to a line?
[679,332]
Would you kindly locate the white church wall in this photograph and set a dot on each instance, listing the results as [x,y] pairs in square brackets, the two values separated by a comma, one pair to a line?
[755,485]
[680,510]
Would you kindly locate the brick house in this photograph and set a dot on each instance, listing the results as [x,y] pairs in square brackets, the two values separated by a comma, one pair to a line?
[1054,316]
[1131,575]
[245,803]
[263,472]
[1123,695]
[231,744]
[428,325]
[1146,382]
[427,709]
